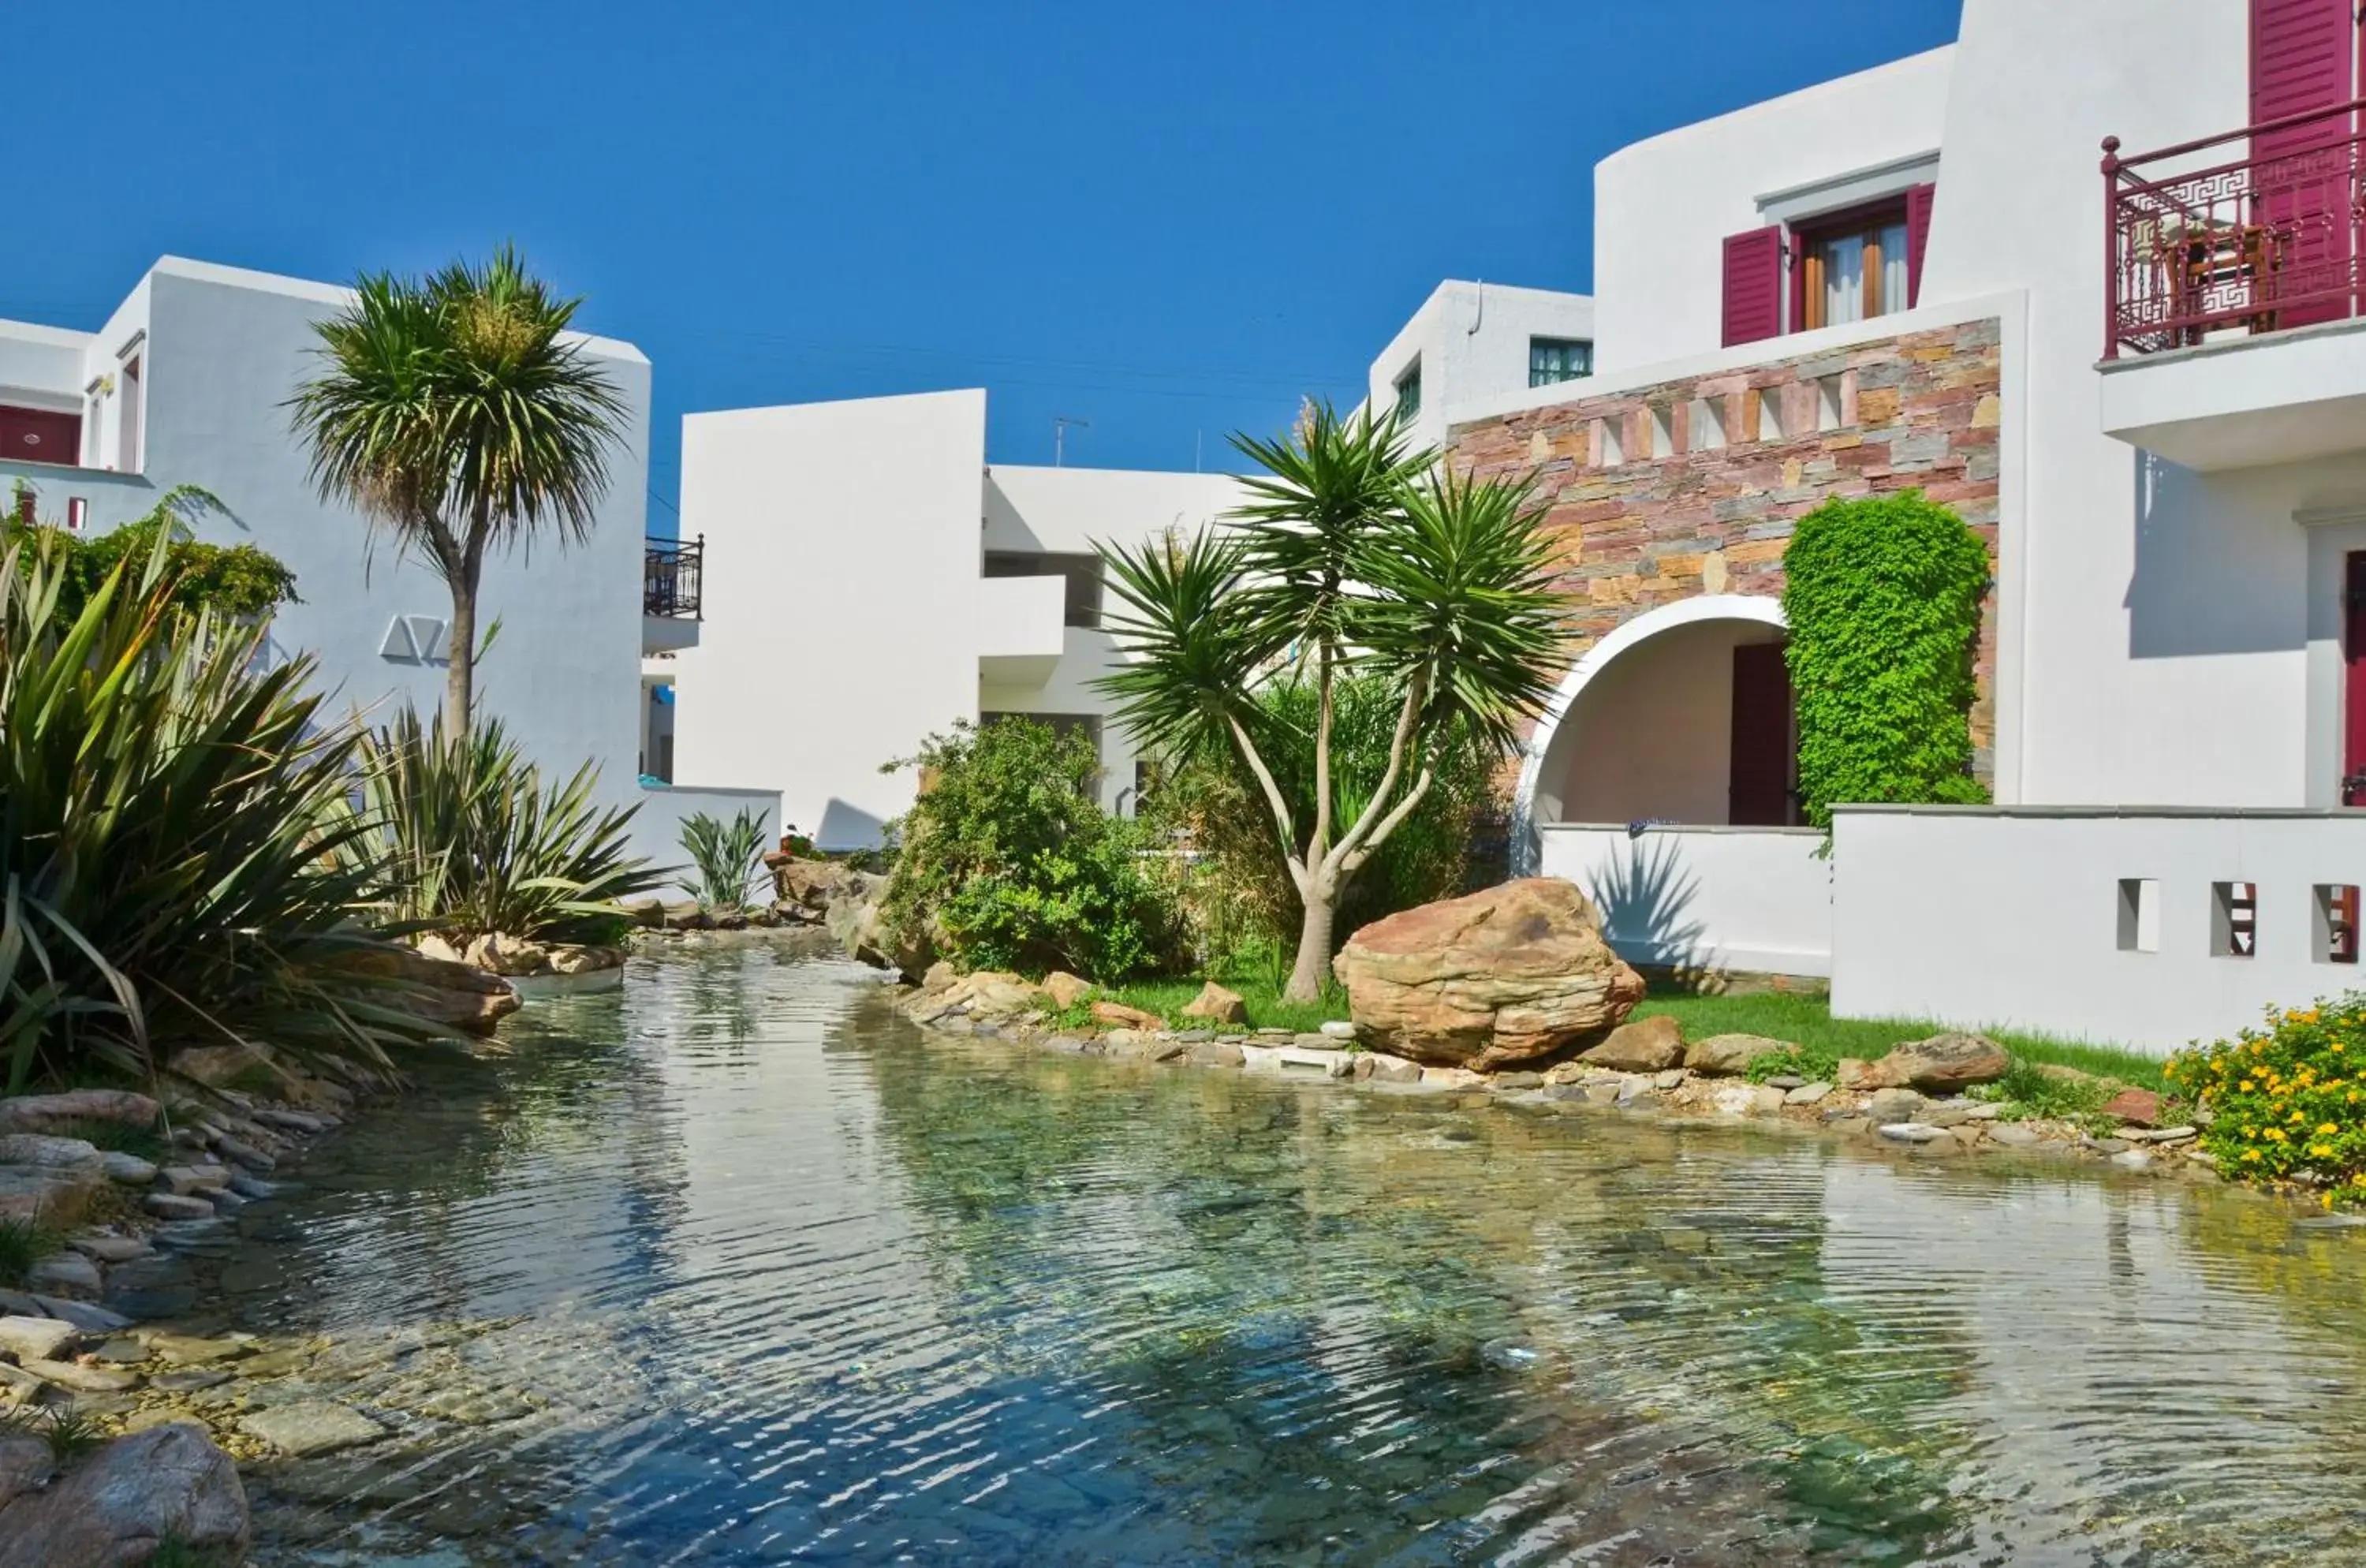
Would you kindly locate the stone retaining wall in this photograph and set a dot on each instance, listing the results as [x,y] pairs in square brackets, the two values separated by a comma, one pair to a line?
[1740,457]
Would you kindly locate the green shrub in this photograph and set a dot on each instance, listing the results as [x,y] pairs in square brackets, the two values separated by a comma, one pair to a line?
[1008,862]
[729,860]
[2288,1103]
[463,837]
[172,821]
[1883,598]
[238,581]
[1237,890]
[24,1243]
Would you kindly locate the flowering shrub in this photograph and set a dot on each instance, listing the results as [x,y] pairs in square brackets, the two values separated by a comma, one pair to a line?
[2288,1103]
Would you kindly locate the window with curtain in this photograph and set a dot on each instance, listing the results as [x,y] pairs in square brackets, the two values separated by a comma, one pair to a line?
[1553,360]
[1855,267]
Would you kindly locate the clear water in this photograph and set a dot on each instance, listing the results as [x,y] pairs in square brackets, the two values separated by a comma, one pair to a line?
[737,1267]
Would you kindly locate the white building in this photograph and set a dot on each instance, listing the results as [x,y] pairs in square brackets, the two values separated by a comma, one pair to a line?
[883,582]
[1473,341]
[187,383]
[2152,401]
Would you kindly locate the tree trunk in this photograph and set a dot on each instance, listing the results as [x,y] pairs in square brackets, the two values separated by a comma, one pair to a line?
[1313,945]
[461,656]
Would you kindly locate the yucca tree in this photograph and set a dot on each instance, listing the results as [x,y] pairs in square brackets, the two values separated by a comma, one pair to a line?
[456,413]
[1354,554]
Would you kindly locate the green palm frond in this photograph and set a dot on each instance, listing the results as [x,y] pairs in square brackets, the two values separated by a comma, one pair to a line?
[1189,638]
[728,857]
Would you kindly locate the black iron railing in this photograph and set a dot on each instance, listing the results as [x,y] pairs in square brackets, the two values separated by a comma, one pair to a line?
[671,571]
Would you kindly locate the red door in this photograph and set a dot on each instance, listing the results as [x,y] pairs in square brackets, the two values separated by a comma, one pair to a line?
[2303,178]
[2353,679]
[1762,752]
[39,436]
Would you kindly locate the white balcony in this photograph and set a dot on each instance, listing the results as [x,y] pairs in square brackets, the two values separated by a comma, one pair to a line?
[2243,401]
[1022,628]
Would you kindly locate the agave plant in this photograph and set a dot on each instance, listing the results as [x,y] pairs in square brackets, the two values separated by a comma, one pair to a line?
[460,835]
[730,859]
[175,854]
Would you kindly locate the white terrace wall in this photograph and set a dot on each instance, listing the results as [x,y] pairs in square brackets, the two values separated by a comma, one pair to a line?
[1471,342]
[1752,900]
[2013,918]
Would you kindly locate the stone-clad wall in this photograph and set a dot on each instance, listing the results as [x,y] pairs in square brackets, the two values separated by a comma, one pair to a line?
[1773,441]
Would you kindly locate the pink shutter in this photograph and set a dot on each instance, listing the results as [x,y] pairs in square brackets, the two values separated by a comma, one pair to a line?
[1753,285]
[1918,238]
[2304,53]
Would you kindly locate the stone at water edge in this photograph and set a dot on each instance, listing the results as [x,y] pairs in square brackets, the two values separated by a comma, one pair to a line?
[1382,1067]
[1339,1028]
[2136,1107]
[1496,978]
[1218,1005]
[311,1427]
[114,1505]
[1126,1017]
[1912,1131]
[1945,1063]
[1893,1105]
[38,1338]
[1724,1055]
[173,1206]
[127,1170]
[1065,989]
[1861,1077]
[64,1274]
[1808,1094]
[48,1112]
[66,1157]
[1641,1046]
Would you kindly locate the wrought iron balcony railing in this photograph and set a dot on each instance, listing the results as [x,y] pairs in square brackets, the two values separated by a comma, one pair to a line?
[2256,230]
[670,574]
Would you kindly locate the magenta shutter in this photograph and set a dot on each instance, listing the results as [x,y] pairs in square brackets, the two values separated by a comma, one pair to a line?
[1918,238]
[1753,285]
[2304,53]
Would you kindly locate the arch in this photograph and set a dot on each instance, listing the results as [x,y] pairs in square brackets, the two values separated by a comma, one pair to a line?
[1758,608]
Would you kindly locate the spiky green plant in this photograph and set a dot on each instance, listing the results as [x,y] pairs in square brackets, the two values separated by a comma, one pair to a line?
[462,836]
[460,413]
[172,823]
[1355,555]
[728,857]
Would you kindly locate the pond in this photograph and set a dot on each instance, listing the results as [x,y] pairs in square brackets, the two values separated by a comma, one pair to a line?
[738,1267]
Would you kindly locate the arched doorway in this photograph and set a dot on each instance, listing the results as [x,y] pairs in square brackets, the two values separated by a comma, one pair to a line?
[1682,715]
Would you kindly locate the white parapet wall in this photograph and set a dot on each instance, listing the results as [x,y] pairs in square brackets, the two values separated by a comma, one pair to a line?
[2122,926]
[1755,900]
[657,827]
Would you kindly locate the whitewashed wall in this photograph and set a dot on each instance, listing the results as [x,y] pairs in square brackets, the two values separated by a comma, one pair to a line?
[1472,341]
[664,808]
[1751,899]
[2011,918]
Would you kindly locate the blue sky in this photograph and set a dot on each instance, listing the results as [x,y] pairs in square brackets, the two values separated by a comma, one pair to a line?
[1169,221]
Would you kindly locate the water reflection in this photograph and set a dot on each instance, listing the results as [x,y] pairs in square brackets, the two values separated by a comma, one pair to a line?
[736,1268]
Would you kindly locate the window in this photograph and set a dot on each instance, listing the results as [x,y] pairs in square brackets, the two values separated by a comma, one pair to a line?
[2337,923]
[1083,573]
[1553,360]
[2234,920]
[1409,392]
[2139,914]
[1852,268]
[1704,424]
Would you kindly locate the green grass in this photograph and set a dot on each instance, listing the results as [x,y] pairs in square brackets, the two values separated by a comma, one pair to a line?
[1167,998]
[1808,1021]
[119,1137]
[24,1243]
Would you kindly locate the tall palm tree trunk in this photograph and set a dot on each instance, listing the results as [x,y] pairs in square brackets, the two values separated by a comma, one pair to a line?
[1319,902]
[460,653]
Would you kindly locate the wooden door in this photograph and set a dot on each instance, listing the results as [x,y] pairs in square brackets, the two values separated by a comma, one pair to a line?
[2304,53]
[1762,755]
[39,435]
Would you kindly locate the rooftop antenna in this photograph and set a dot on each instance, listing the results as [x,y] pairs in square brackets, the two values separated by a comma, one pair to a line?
[1060,424]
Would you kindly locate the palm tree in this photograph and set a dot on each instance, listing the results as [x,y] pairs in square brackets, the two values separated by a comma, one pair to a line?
[1353,555]
[457,413]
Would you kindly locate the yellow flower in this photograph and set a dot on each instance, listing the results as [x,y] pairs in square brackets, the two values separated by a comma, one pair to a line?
[2245,1086]
[2328,1130]
[2320,1151]
[2254,1154]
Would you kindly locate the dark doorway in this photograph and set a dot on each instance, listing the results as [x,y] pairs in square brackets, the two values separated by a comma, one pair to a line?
[1763,751]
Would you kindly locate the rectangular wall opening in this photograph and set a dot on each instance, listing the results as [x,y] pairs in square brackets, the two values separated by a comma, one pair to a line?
[2337,923]
[2139,914]
[1770,414]
[1828,402]
[1663,430]
[2234,920]
[1609,450]
[1707,424]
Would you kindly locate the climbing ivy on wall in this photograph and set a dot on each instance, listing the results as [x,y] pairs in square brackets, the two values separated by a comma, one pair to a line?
[234,580]
[1883,597]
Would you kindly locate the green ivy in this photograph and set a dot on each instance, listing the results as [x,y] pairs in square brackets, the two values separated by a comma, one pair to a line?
[1883,597]
[233,580]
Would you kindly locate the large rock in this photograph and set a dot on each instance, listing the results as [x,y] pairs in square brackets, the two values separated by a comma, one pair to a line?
[50,1112]
[1218,1005]
[504,954]
[38,1338]
[1065,989]
[813,884]
[68,1159]
[1944,1063]
[858,918]
[116,1505]
[1489,980]
[219,1066]
[1644,1045]
[1722,1054]
[1126,1017]
[311,1427]
[456,995]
